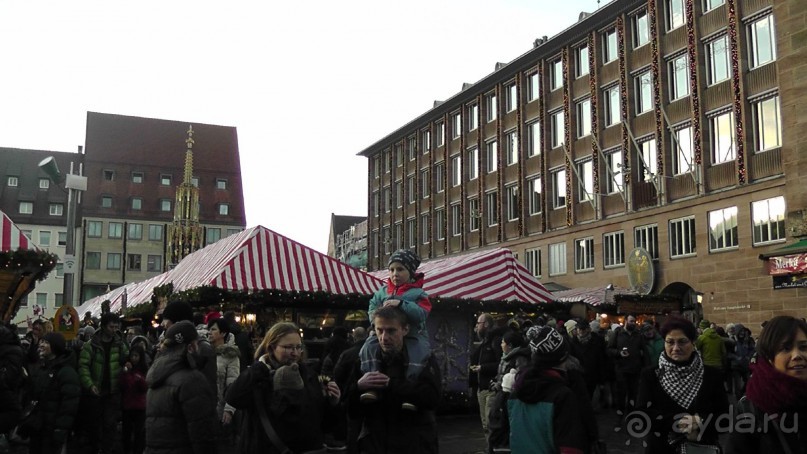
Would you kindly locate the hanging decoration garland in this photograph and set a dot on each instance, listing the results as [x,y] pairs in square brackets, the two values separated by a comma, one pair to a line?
[542,159]
[595,132]
[444,227]
[692,49]
[651,7]
[736,85]
[29,261]
[623,89]
[567,137]
[500,165]
[521,157]
[479,164]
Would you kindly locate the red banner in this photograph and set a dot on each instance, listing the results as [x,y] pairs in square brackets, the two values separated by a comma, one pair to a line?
[787,264]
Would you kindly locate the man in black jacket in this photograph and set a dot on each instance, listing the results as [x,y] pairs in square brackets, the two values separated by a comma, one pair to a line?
[204,354]
[242,340]
[627,348]
[485,363]
[389,425]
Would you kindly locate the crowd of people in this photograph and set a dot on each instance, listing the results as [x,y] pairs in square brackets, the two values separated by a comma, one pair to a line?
[198,386]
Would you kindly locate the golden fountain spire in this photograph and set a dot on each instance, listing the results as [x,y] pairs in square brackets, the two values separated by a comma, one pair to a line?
[185,233]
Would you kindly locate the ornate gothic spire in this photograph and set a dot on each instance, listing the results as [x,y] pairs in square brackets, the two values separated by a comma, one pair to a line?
[185,233]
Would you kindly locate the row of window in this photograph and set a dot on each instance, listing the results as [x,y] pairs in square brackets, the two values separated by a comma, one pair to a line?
[154,263]
[768,226]
[41,300]
[109,175]
[761,39]
[134,231]
[54,209]
[45,238]
[166,205]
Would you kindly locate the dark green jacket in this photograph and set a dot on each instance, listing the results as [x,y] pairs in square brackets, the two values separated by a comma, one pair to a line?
[56,387]
[91,362]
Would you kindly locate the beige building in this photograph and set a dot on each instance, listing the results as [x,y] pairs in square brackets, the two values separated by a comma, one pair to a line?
[667,125]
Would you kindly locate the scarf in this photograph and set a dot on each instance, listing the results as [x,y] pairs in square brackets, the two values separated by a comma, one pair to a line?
[681,381]
[772,391]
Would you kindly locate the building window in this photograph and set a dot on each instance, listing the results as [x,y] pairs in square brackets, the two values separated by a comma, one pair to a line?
[511,100]
[456,222]
[717,55]
[533,87]
[491,108]
[411,148]
[492,208]
[583,118]
[386,238]
[492,156]
[424,228]
[398,194]
[768,124]
[581,61]
[62,238]
[440,224]
[231,232]
[42,300]
[387,203]
[441,134]
[532,261]
[723,229]
[641,30]
[115,230]
[426,137]
[646,237]
[684,154]
[135,232]
[386,161]
[93,261]
[511,147]
[556,123]
[644,92]
[137,177]
[682,237]
[679,77]
[155,232]
[763,41]
[534,191]
[723,146]
[555,75]
[56,209]
[473,117]
[649,165]
[13,182]
[615,182]
[456,125]
[165,205]
[675,14]
[613,249]
[154,263]
[106,201]
[44,238]
[221,183]
[425,183]
[212,235]
[439,177]
[712,4]
[375,209]
[109,175]
[133,262]
[511,202]
[398,240]
[456,171]
[609,46]
[557,259]
[165,179]
[559,189]
[411,230]
[113,260]
[224,209]
[769,220]
[533,139]
[94,229]
[585,180]
[399,157]
[44,183]
[59,299]
[473,164]
[584,254]
[613,113]
[473,215]
[410,189]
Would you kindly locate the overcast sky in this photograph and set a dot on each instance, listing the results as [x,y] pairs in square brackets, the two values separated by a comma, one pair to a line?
[308,84]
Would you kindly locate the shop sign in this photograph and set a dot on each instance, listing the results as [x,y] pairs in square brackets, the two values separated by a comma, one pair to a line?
[795,281]
[787,264]
[641,274]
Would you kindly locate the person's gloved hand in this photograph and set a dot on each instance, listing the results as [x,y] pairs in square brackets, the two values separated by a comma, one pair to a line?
[508,381]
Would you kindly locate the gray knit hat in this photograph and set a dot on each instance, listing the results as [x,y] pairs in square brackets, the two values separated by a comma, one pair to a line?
[288,377]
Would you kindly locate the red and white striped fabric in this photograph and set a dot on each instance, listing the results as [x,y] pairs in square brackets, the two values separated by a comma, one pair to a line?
[593,296]
[255,259]
[11,237]
[492,275]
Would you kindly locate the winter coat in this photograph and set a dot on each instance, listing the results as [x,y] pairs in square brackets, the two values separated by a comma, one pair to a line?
[180,407]
[133,389]
[55,386]
[11,379]
[661,409]
[296,415]
[498,421]
[386,427]
[653,349]
[634,342]
[91,362]
[414,302]
[544,415]
[712,348]
[592,358]
[741,357]
[487,355]
[518,358]
[757,438]
[244,344]
[228,366]
[207,363]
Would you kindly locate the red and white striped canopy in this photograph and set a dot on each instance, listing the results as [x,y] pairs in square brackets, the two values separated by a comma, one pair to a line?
[11,237]
[491,275]
[255,259]
[593,296]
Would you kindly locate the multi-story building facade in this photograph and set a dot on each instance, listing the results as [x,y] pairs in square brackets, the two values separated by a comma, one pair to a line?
[347,241]
[660,124]
[134,166]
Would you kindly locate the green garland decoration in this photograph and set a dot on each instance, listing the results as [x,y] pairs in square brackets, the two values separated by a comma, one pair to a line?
[29,261]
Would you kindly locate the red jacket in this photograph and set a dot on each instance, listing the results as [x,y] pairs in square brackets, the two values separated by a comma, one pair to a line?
[134,389]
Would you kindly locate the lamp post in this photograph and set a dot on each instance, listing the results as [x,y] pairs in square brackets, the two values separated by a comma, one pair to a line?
[73,184]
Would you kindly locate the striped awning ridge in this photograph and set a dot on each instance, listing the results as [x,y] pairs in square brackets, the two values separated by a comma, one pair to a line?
[593,296]
[11,237]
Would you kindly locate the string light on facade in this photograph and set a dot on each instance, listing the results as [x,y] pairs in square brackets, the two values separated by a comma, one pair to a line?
[567,137]
[623,91]
[736,85]
[692,50]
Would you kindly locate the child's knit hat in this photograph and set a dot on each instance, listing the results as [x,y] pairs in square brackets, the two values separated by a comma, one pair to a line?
[288,377]
[407,258]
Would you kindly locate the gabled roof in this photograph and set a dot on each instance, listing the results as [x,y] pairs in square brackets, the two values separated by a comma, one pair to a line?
[254,259]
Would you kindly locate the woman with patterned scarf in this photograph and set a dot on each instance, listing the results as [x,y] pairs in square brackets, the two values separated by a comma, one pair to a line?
[680,397]
[773,413]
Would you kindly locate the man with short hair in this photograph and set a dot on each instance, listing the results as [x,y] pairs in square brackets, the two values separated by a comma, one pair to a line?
[485,363]
[626,347]
[387,427]
[204,354]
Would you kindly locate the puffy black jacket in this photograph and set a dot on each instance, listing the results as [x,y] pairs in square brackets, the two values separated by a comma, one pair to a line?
[487,355]
[180,407]
[11,379]
[56,387]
